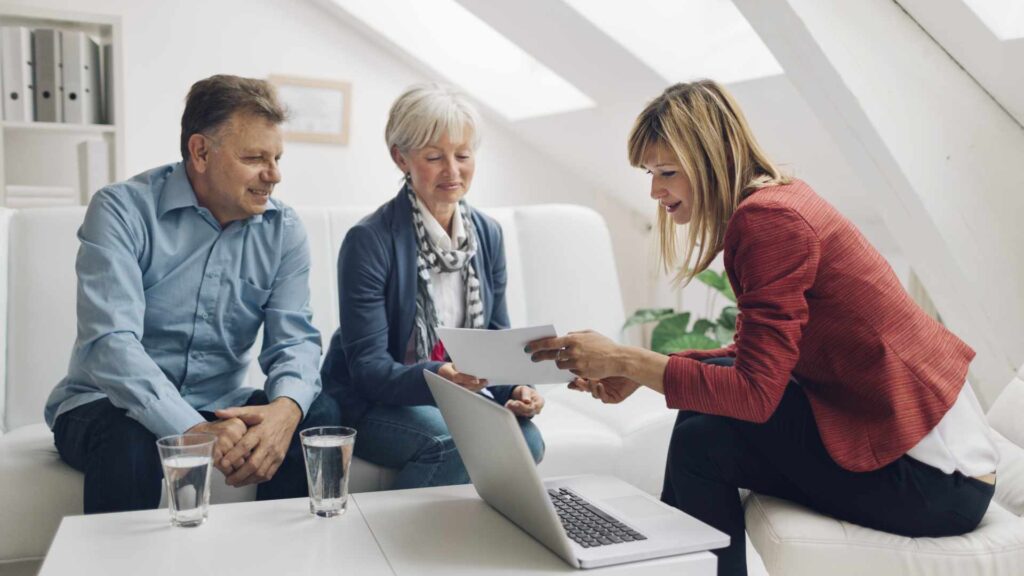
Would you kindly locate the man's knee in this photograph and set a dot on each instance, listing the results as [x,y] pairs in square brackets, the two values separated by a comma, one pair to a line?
[110,430]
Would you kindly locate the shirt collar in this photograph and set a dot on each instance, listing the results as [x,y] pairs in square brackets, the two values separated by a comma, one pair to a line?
[178,193]
[437,233]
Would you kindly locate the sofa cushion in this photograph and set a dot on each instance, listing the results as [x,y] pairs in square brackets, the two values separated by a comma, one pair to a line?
[1010,476]
[1005,413]
[566,251]
[41,318]
[642,424]
[795,541]
[36,491]
[575,443]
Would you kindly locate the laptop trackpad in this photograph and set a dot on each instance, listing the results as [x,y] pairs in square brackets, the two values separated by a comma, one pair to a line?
[638,507]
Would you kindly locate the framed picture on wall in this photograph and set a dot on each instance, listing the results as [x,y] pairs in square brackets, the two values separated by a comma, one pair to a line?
[318,110]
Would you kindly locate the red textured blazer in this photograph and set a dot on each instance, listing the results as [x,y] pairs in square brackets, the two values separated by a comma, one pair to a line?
[819,302]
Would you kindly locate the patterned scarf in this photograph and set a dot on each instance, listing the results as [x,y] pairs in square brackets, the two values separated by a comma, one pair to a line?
[432,258]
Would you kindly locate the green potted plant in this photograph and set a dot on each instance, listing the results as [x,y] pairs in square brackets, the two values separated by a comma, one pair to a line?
[673,332]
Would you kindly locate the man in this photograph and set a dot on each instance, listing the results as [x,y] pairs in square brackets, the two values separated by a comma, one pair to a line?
[178,268]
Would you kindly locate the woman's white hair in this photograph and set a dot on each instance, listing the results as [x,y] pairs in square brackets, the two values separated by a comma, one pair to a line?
[425,112]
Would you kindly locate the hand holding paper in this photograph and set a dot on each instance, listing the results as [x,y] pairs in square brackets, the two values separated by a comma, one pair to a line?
[497,355]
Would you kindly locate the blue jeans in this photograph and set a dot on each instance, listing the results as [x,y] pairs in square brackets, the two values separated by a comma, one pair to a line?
[415,440]
[122,467]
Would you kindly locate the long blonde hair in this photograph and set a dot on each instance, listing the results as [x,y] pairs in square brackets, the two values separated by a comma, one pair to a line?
[704,128]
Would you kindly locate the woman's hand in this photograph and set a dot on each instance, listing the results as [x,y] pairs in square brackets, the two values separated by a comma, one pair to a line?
[586,354]
[609,390]
[525,402]
[467,381]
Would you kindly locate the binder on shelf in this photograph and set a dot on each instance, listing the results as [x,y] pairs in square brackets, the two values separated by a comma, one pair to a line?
[108,83]
[17,70]
[80,54]
[40,196]
[93,168]
[48,84]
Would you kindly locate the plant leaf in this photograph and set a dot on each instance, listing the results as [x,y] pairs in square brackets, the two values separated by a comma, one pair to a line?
[711,278]
[647,315]
[727,291]
[685,342]
[724,335]
[669,328]
[727,319]
[702,326]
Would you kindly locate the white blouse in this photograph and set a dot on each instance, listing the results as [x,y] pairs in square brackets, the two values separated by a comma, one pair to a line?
[962,440]
[446,288]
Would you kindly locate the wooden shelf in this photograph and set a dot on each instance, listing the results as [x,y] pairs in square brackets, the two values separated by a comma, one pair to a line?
[58,127]
[39,158]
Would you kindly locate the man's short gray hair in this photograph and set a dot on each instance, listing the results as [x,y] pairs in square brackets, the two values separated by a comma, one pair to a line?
[425,112]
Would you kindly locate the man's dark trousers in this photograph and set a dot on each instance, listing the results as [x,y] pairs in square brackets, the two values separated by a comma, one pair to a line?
[119,458]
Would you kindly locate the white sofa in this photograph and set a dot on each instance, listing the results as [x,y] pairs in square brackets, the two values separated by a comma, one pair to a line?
[560,270]
[795,541]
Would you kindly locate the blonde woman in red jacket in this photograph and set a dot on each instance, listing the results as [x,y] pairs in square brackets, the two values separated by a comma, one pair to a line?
[838,392]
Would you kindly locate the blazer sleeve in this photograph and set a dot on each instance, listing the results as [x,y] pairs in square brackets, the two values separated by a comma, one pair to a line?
[363,266]
[775,259]
[499,309]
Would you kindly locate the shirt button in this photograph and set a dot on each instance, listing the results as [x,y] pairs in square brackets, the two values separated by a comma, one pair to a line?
[203,315]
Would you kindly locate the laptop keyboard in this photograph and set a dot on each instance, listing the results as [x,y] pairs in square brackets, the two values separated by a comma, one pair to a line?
[587,525]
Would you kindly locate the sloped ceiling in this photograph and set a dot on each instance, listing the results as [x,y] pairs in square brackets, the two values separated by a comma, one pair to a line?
[591,143]
[996,64]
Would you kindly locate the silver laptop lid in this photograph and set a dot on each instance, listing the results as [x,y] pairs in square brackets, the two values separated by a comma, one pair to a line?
[499,462]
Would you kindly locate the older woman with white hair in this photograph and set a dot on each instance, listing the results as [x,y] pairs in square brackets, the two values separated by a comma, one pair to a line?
[424,259]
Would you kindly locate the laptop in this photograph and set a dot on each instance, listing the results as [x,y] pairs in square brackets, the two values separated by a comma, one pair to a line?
[589,521]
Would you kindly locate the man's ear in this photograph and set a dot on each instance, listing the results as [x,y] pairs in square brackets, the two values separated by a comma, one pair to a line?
[199,151]
[399,159]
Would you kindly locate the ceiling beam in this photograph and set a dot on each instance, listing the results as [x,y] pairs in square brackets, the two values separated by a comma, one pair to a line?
[570,45]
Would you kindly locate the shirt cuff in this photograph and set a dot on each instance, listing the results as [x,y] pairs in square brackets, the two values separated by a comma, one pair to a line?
[302,393]
[707,354]
[679,383]
[169,417]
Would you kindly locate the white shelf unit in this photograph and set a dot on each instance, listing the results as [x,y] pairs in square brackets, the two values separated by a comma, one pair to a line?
[45,155]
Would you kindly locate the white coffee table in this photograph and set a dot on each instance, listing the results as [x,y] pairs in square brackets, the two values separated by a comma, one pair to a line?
[430,531]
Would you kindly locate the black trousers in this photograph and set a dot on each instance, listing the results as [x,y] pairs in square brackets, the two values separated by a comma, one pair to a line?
[122,466]
[709,457]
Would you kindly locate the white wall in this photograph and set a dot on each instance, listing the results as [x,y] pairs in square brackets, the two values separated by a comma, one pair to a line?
[939,154]
[168,45]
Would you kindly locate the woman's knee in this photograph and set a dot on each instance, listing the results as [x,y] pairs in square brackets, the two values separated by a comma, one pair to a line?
[695,440]
[323,411]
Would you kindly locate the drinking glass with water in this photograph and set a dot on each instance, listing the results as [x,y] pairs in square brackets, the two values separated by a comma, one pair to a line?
[187,459]
[328,454]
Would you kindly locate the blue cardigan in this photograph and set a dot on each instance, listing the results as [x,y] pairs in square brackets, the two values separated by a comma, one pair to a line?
[377,304]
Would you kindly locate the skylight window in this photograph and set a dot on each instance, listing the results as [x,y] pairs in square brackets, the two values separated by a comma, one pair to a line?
[468,52]
[1005,18]
[684,40]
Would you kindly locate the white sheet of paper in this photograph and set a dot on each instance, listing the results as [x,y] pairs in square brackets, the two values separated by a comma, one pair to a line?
[498,356]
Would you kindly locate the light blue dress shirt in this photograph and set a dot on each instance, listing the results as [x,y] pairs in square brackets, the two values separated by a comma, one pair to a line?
[170,303]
